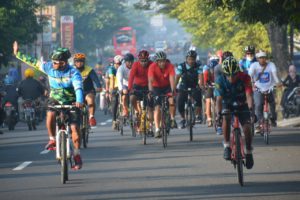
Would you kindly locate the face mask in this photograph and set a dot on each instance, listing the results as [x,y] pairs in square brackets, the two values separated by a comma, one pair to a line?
[249,58]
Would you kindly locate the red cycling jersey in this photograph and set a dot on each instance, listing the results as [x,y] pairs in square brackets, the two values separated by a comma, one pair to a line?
[161,77]
[208,77]
[138,75]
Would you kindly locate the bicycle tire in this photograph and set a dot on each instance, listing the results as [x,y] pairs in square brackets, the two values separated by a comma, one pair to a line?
[191,123]
[164,127]
[267,131]
[132,124]
[63,161]
[239,158]
[145,128]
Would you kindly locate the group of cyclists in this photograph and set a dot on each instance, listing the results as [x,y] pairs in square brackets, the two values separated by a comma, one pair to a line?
[223,80]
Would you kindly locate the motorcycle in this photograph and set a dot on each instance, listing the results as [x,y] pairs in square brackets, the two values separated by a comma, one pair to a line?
[292,103]
[29,114]
[11,117]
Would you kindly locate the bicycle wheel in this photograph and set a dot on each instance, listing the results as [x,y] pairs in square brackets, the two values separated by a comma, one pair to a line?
[144,127]
[63,160]
[132,124]
[164,130]
[266,131]
[239,158]
[191,119]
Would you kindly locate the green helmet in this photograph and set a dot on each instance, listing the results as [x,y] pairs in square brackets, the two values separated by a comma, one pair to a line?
[60,54]
[230,66]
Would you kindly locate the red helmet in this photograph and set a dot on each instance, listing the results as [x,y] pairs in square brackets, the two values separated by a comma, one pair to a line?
[143,54]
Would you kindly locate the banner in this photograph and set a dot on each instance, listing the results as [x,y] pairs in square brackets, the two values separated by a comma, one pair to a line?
[67,32]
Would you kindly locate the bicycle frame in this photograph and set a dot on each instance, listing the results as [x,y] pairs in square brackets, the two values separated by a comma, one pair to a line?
[266,128]
[190,112]
[235,126]
[165,121]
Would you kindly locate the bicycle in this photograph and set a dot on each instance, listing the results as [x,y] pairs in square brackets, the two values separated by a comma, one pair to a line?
[190,112]
[84,126]
[165,119]
[236,143]
[63,139]
[266,128]
[121,120]
[143,119]
[132,121]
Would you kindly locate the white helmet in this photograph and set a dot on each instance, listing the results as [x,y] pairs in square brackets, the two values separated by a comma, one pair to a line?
[261,54]
[118,59]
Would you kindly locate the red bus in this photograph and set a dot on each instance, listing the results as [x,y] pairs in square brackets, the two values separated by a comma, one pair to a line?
[124,41]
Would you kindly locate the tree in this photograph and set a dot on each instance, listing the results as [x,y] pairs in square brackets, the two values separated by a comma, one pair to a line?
[18,22]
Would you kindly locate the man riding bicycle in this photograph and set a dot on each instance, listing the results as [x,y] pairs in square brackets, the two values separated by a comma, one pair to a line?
[189,75]
[122,79]
[65,89]
[249,59]
[161,79]
[234,86]
[208,82]
[138,83]
[112,87]
[264,77]
[89,77]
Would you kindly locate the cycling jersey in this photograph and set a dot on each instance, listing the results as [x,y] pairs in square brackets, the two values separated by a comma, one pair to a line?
[263,80]
[122,76]
[89,77]
[111,73]
[245,64]
[161,77]
[189,75]
[235,91]
[208,75]
[138,75]
[65,86]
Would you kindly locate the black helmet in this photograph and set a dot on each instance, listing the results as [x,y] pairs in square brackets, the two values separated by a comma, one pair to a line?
[249,49]
[226,54]
[230,66]
[60,54]
[160,55]
[129,57]
[191,53]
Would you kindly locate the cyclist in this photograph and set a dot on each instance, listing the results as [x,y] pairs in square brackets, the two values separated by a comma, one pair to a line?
[208,80]
[218,68]
[122,78]
[89,78]
[138,80]
[264,78]
[235,86]
[290,82]
[65,88]
[189,73]
[249,58]
[112,87]
[161,81]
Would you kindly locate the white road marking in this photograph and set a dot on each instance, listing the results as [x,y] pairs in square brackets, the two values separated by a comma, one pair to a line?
[103,123]
[22,166]
[109,120]
[45,151]
[93,127]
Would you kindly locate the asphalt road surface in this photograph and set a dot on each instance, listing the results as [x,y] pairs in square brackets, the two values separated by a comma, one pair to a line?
[120,167]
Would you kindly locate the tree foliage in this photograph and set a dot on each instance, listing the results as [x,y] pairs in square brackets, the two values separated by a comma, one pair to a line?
[17,22]
[216,27]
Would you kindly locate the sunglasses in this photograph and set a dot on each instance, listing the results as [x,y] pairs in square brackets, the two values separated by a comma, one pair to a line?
[56,62]
[144,61]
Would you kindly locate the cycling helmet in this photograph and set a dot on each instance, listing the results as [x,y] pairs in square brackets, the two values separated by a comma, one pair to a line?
[118,59]
[79,57]
[226,54]
[128,57]
[192,54]
[143,54]
[8,80]
[249,49]
[212,63]
[29,73]
[230,66]
[60,54]
[160,55]
[261,54]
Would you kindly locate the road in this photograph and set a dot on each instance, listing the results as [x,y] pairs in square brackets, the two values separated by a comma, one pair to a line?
[120,167]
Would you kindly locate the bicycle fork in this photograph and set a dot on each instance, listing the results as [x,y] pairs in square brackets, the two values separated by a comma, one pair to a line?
[58,142]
